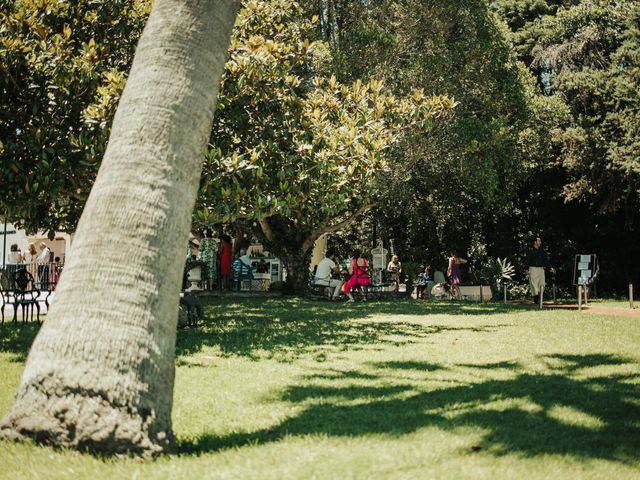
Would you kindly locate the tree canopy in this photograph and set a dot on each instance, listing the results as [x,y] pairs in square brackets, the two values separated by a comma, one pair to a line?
[296,151]
[63,67]
[469,168]
[323,96]
[586,55]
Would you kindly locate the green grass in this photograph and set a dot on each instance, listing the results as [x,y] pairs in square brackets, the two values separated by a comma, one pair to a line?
[615,303]
[288,388]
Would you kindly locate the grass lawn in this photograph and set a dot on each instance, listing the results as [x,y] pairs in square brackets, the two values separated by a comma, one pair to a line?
[289,388]
[606,302]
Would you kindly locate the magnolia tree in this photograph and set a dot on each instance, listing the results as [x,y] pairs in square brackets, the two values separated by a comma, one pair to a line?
[63,68]
[299,154]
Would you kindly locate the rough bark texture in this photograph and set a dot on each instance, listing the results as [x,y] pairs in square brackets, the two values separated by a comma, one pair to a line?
[100,373]
[297,272]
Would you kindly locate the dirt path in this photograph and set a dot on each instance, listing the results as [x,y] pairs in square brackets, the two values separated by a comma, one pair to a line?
[598,309]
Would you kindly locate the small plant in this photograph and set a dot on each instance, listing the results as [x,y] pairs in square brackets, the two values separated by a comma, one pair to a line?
[518,291]
[410,271]
[498,270]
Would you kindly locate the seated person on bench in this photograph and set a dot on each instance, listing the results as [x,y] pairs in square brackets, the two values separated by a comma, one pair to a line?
[422,289]
[242,265]
[325,271]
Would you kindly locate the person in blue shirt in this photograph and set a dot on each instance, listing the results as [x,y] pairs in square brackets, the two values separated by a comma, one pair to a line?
[423,282]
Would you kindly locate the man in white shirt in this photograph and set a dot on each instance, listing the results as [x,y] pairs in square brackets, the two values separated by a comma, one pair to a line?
[326,268]
[43,265]
[45,253]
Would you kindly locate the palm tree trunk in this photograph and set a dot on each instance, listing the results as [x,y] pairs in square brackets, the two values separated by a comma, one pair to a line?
[100,373]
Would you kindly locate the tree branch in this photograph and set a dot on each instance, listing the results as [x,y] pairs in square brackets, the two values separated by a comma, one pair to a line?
[327,228]
[266,229]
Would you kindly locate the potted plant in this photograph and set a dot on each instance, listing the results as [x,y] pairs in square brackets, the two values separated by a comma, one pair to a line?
[496,272]
[192,273]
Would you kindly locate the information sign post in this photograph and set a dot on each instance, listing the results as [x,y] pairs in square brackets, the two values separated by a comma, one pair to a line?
[585,273]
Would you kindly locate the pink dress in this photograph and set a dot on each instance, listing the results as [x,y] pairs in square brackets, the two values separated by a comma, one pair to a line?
[359,277]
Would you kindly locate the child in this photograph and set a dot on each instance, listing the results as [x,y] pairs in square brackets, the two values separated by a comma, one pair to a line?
[423,282]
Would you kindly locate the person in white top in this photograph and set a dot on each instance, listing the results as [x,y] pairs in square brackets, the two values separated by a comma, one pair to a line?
[395,269]
[14,261]
[15,256]
[326,268]
[244,258]
[45,253]
[43,265]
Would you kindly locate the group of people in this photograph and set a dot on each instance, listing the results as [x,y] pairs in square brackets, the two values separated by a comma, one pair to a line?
[537,262]
[36,262]
[436,283]
[329,274]
[17,257]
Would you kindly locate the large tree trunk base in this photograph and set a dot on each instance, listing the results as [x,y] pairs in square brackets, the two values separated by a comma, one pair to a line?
[297,274]
[85,421]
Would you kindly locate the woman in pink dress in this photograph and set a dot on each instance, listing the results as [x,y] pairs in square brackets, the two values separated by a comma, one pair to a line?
[359,276]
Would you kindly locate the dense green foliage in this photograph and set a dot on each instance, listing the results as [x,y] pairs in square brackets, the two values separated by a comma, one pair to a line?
[588,56]
[322,117]
[62,67]
[468,170]
[583,190]
[290,148]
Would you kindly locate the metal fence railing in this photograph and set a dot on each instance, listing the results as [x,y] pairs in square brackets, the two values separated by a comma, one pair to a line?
[45,275]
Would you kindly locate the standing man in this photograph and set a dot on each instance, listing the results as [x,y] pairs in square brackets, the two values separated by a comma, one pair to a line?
[326,269]
[43,265]
[537,261]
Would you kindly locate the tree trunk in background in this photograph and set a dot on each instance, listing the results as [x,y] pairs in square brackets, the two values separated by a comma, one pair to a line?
[297,272]
[100,373]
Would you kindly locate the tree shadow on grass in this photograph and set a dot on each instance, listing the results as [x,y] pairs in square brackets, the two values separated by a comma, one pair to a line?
[294,327]
[528,414]
[290,325]
[17,339]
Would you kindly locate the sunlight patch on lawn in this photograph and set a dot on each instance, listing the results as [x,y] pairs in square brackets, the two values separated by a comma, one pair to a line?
[451,412]
[575,418]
